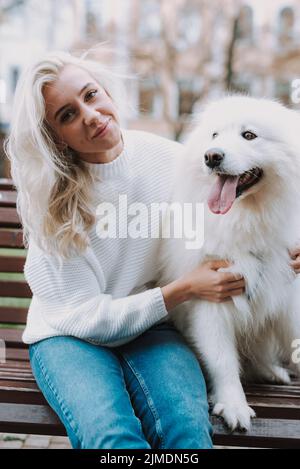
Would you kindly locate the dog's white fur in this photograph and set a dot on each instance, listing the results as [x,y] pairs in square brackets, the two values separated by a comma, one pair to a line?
[251,335]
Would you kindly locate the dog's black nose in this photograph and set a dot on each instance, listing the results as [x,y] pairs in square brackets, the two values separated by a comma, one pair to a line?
[213,157]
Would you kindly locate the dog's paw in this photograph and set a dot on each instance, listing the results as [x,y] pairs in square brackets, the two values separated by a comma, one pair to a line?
[296,370]
[277,374]
[236,415]
[281,375]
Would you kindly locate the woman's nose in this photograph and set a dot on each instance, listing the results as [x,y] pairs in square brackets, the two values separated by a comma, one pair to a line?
[91,116]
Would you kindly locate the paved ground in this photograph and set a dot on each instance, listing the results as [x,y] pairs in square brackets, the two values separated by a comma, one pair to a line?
[18,441]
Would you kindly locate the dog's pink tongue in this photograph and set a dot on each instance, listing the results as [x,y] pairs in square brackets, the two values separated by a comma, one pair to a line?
[222,194]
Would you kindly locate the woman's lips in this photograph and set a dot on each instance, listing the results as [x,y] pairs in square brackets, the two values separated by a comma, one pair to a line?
[101,130]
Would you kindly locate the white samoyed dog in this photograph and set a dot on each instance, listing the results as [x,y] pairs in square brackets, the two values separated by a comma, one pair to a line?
[242,161]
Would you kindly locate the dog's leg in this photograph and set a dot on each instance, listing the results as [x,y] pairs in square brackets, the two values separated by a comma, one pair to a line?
[272,357]
[264,361]
[287,328]
[211,334]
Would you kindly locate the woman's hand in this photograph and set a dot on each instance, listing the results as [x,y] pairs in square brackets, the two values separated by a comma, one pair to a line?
[295,256]
[206,283]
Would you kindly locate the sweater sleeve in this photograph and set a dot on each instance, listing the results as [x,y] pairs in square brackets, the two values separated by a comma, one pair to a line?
[72,301]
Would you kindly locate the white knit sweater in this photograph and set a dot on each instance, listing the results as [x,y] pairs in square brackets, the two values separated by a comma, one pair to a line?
[105,295]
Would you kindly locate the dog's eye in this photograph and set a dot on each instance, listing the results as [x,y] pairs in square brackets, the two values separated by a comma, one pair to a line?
[249,135]
[214,135]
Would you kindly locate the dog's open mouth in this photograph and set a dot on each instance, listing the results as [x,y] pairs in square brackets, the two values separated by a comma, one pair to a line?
[227,188]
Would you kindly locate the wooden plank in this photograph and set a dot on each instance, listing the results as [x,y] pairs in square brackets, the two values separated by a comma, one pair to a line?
[11,238]
[8,198]
[280,408]
[18,354]
[9,218]
[20,386]
[8,364]
[15,289]
[12,264]
[264,433]
[16,374]
[12,338]
[6,368]
[18,395]
[13,315]
[274,390]
[7,184]
[23,418]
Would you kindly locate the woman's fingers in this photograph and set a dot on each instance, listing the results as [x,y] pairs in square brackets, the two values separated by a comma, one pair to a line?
[224,296]
[294,252]
[234,285]
[230,277]
[237,291]
[218,264]
[296,262]
[296,265]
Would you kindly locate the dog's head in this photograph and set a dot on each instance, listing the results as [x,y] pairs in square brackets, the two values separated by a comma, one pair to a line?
[247,146]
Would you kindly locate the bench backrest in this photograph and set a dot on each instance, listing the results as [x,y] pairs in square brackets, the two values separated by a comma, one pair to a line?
[15,293]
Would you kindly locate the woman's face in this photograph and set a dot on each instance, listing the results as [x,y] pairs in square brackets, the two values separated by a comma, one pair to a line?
[83,116]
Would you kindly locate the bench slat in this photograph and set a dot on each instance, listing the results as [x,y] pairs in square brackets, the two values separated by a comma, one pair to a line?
[11,364]
[6,368]
[18,386]
[12,264]
[15,289]
[9,217]
[275,390]
[264,433]
[17,374]
[10,238]
[12,338]
[29,419]
[18,354]
[13,315]
[8,198]
[272,408]
[7,184]
[11,394]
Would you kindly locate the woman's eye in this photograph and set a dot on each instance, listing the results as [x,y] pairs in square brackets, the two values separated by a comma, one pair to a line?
[249,135]
[67,116]
[91,94]
[214,135]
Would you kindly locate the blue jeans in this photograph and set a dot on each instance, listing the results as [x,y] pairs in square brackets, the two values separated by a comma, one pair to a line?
[148,393]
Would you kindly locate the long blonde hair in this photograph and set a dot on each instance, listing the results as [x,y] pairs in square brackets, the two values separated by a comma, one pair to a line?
[54,187]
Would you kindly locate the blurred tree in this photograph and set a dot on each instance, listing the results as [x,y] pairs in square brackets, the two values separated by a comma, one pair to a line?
[196,33]
[244,30]
[286,27]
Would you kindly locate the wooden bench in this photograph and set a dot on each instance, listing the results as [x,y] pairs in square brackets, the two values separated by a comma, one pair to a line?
[23,408]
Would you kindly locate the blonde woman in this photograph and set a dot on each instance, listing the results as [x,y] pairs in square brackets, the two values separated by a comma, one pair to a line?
[102,350]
